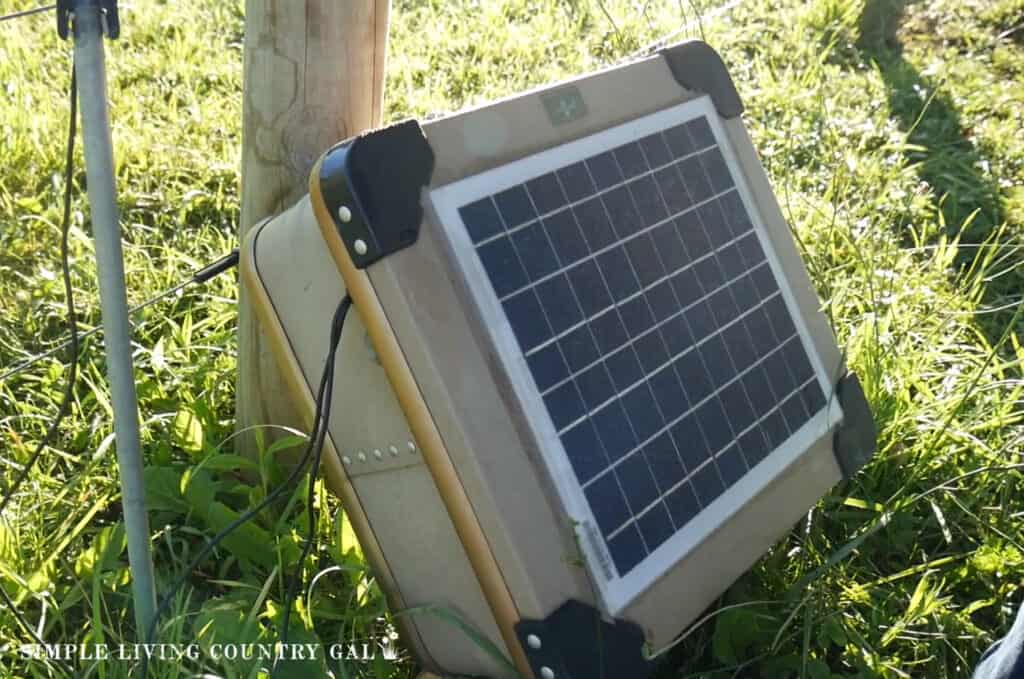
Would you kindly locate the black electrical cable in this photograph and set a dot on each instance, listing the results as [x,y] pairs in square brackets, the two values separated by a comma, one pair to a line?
[291,590]
[27,12]
[317,436]
[69,385]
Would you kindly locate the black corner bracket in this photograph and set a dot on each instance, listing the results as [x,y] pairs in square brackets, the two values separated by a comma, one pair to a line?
[698,67]
[856,439]
[371,187]
[575,642]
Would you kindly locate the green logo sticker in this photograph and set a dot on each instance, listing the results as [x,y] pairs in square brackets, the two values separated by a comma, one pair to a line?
[564,105]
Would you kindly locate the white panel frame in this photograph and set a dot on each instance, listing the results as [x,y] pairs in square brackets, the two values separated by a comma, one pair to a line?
[616,593]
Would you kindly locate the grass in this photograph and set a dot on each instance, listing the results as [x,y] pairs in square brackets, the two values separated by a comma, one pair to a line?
[893,141]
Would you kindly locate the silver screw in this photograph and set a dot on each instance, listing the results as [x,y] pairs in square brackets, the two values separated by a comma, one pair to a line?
[361,456]
[377,454]
[547,673]
[412,447]
[344,214]
[533,641]
[360,246]
[346,460]
[393,450]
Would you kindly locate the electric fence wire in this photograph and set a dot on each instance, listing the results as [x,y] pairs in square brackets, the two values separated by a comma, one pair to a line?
[317,437]
[218,267]
[27,12]
[69,385]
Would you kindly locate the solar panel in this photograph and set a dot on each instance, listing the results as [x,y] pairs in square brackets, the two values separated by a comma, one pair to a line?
[640,292]
[588,378]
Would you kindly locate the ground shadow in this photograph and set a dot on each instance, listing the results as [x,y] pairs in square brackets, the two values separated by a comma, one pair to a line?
[947,160]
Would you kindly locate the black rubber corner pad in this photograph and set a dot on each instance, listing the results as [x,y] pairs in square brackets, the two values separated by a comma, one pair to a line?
[856,439]
[575,642]
[372,186]
[698,67]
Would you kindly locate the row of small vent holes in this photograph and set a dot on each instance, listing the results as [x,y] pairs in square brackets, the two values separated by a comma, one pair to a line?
[378,454]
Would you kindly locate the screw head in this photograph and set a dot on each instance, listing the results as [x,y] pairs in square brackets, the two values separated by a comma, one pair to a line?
[361,456]
[393,450]
[412,447]
[346,460]
[533,641]
[360,246]
[377,454]
[344,214]
[547,673]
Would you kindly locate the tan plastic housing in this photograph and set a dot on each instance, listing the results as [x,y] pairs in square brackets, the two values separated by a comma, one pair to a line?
[470,521]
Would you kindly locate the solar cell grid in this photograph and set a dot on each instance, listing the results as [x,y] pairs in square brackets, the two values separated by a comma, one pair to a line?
[653,326]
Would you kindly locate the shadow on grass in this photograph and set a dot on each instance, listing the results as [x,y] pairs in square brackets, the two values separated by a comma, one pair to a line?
[948,160]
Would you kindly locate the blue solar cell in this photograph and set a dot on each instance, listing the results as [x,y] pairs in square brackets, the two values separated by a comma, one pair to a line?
[630,159]
[589,287]
[708,484]
[515,206]
[565,405]
[604,169]
[655,150]
[614,431]
[584,451]
[627,549]
[624,368]
[565,237]
[651,351]
[731,465]
[716,170]
[481,219]
[645,260]
[670,248]
[559,303]
[546,193]
[609,332]
[750,250]
[754,446]
[679,142]
[700,132]
[576,181]
[637,482]
[608,503]
[643,412]
[655,329]
[618,273]
[636,316]
[662,301]
[648,200]
[579,348]
[695,238]
[535,251]
[595,385]
[527,319]
[664,462]
[690,442]
[696,181]
[547,367]
[694,375]
[682,505]
[622,213]
[656,526]
[673,191]
[503,266]
[594,222]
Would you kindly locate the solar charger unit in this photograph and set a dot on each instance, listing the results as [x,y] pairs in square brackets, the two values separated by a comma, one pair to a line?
[588,382]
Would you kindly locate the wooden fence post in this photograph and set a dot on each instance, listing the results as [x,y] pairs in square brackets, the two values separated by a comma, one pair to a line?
[313,75]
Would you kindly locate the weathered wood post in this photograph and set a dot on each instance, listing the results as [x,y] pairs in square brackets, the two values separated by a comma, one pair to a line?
[313,75]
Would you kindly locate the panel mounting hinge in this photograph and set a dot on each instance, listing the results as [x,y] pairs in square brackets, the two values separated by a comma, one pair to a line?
[856,439]
[576,642]
[371,187]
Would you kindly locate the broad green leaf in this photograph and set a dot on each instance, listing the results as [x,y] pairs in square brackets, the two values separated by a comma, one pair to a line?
[187,431]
